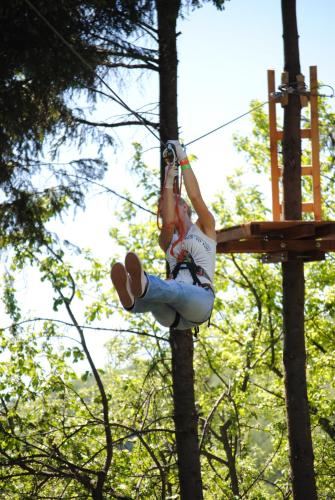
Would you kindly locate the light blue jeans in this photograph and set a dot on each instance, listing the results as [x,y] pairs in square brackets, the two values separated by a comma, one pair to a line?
[164,299]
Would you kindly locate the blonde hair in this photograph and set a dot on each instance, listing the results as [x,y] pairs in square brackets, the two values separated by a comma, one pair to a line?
[181,201]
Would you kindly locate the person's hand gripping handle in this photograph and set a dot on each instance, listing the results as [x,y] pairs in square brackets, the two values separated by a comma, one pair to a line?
[180,151]
[171,169]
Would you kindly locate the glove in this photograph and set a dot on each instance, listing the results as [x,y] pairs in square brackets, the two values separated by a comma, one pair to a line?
[171,172]
[180,151]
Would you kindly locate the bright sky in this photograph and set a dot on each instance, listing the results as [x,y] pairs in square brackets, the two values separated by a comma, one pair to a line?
[223,59]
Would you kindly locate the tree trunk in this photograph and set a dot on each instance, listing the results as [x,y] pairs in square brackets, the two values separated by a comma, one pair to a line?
[185,415]
[167,14]
[299,429]
[230,458]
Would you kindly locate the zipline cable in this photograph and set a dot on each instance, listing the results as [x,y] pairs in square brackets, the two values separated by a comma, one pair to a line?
[116,97]
[123,103]
[109,190]
[260,106]
[120,101]
[83,61]
[227,123]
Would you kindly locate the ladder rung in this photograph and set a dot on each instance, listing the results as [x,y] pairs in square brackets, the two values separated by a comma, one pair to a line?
[305,133]
[305,207]
[305,170]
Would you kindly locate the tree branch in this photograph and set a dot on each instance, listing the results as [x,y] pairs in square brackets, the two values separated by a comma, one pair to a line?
[146,66]
[210,456]
[85,327]
[115,125]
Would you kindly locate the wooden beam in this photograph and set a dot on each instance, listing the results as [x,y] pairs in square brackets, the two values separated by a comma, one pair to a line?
[281,230]
[233,233]
[270,258]
[276,230]
[297,232]
[326,230]
[261,228]
[264,246]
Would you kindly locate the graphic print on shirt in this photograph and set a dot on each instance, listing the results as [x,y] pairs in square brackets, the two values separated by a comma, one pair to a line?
[200,246]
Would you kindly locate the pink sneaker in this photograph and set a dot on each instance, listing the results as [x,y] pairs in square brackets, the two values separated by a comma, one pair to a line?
[121,283]
[139,281]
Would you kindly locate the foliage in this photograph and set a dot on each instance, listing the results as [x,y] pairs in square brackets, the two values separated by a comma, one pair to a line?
[69,432]
[42,80]
[53,436]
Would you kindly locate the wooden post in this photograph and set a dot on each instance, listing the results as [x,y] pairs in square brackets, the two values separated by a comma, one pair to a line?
[275,173]
[315,143]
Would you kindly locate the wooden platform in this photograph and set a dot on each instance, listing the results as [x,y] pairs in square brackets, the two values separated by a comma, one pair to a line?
[280,241]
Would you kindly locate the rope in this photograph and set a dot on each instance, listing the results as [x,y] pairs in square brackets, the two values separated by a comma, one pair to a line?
[85,63]
[177,187]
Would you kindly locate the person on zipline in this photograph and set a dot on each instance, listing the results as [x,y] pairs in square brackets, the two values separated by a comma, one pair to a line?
[185,299]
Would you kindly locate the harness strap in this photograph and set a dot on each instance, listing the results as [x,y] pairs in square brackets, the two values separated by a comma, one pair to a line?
[176,320]
[188,263]
[196,271]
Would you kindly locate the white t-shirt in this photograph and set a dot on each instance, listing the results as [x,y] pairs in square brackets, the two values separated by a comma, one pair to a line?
[201,247]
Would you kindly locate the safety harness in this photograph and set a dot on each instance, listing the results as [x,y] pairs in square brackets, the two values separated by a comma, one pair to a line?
[186,261]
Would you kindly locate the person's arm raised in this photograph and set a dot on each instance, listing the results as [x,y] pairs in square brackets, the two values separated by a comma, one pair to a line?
[205,221]
[168,211]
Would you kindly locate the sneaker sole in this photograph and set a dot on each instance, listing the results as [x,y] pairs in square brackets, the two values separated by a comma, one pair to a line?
[119,278]
[134,268]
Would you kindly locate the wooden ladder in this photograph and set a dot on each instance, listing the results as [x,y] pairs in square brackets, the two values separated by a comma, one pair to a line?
[311,133]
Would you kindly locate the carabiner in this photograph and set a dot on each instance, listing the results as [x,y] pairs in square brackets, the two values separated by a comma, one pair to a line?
[169,154]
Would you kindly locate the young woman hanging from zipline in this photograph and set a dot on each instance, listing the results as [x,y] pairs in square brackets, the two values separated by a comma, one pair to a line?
[185,299]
